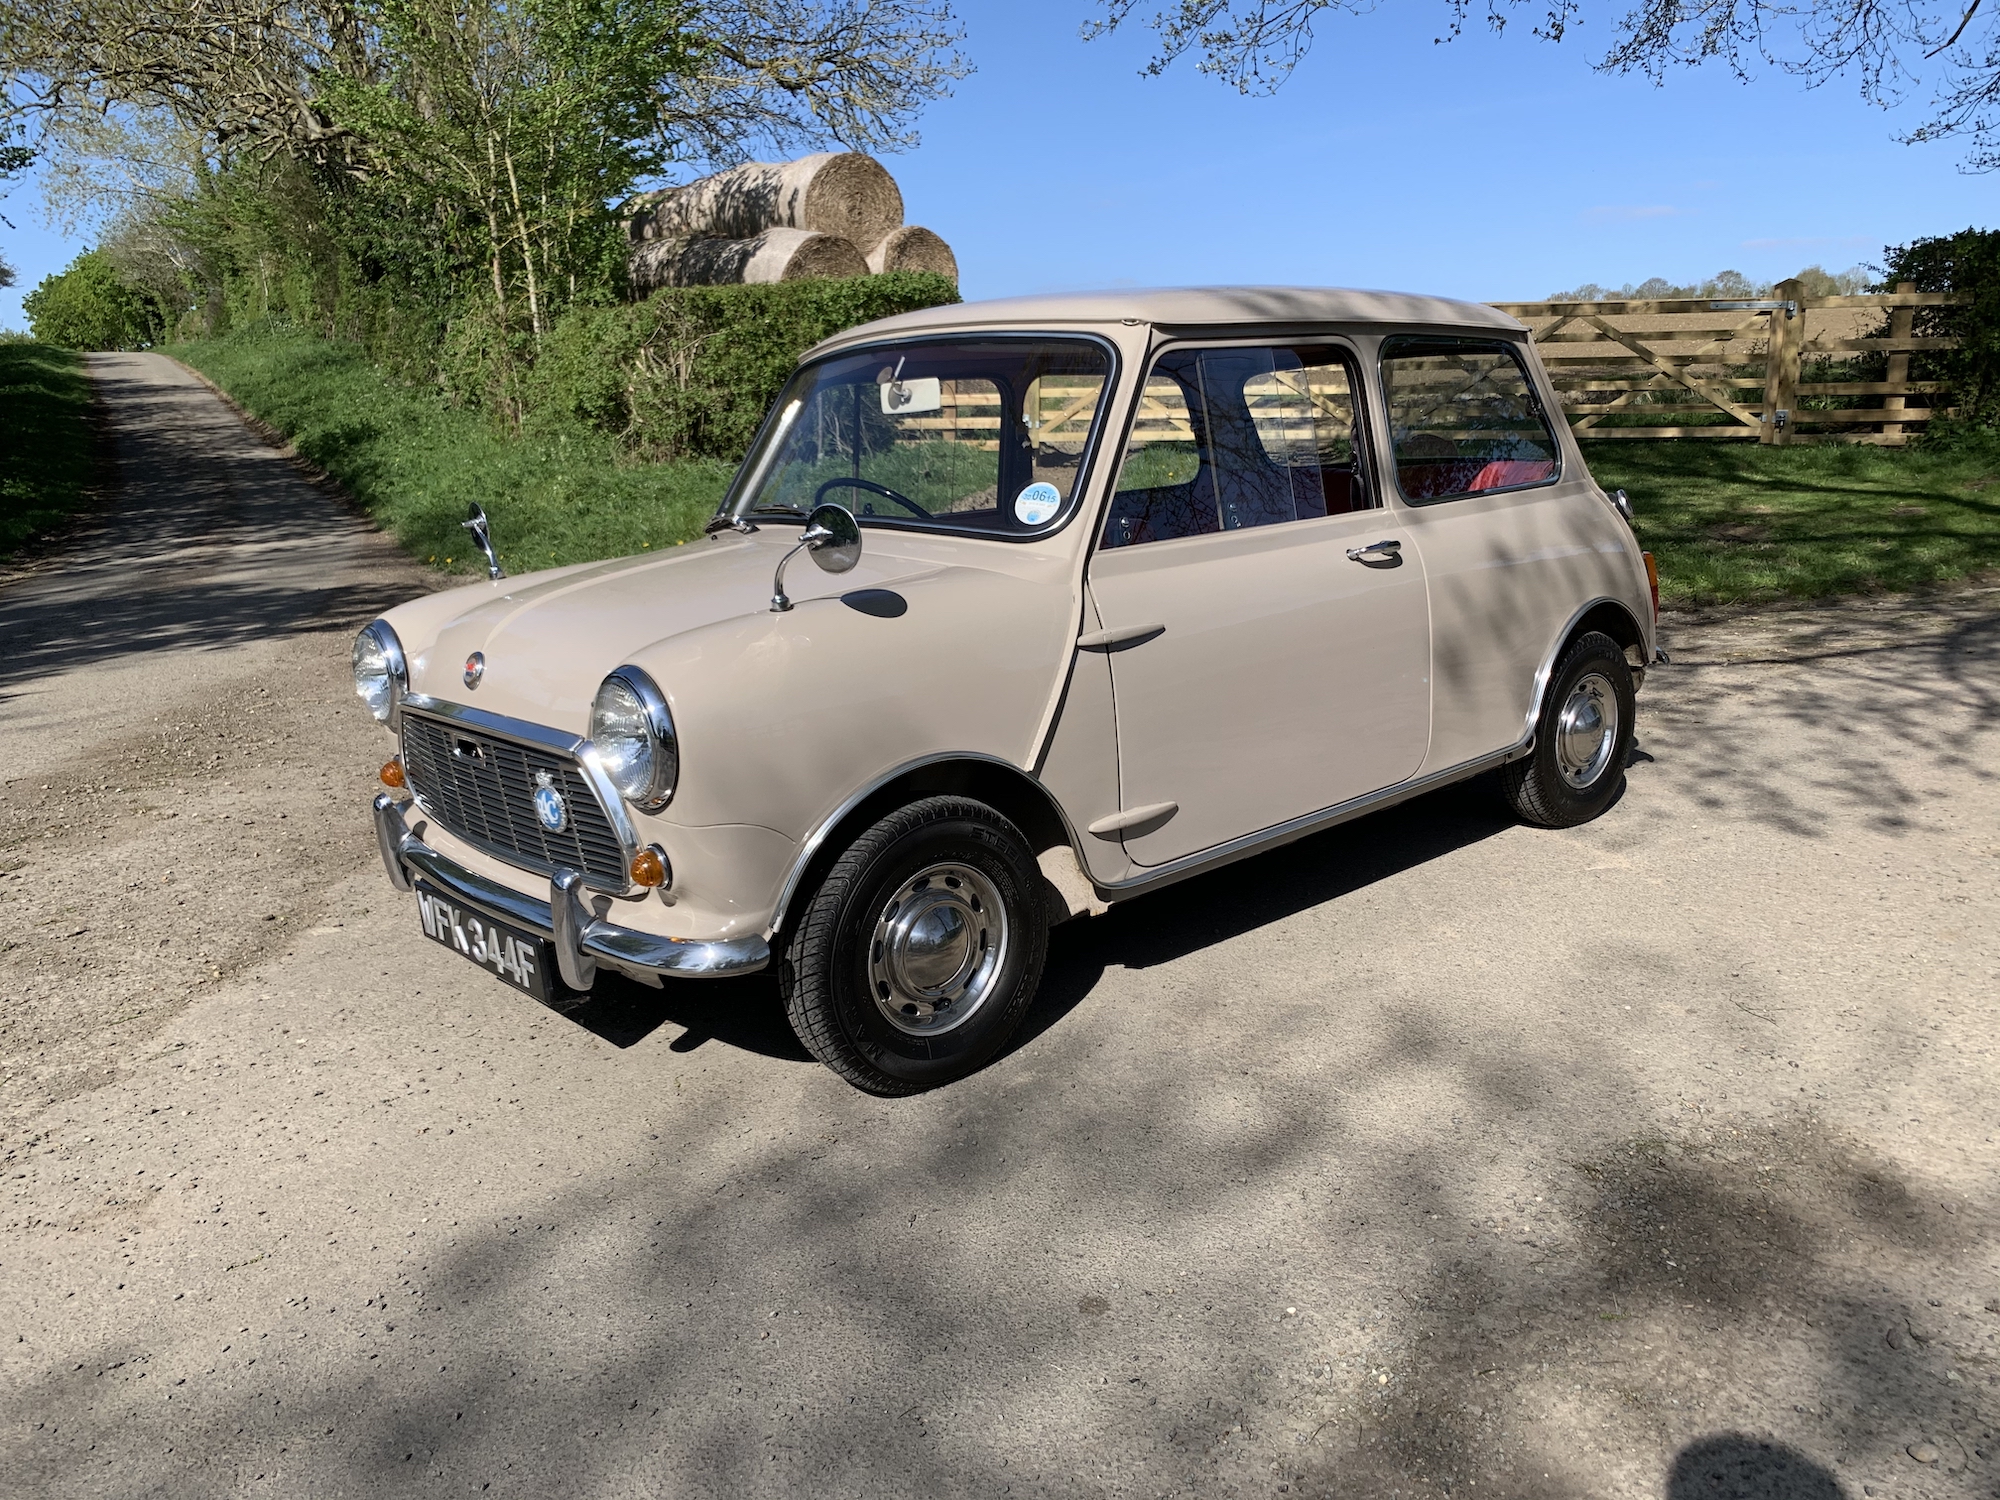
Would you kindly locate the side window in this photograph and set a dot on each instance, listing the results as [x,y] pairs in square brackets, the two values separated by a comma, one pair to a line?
[1229,438]
[1463,418]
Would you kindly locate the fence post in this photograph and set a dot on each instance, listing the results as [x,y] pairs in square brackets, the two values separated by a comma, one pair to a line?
[1900,321]
[1781,365]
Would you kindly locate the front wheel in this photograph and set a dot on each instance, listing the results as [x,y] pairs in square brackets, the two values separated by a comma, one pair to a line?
[1582,739]
[921,950]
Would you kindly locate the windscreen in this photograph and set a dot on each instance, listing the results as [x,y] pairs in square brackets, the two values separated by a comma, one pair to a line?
[975,435]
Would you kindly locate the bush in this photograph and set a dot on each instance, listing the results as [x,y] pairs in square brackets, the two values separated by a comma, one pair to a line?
[45,439]
[1967,262]
[690,372]
[89,306]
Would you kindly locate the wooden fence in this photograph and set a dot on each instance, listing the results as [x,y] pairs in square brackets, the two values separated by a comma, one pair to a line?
[1619,368]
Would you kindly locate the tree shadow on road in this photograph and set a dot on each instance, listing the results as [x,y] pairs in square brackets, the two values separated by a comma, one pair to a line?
[209,538]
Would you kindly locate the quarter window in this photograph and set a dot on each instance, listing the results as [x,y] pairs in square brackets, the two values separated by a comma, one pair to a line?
[1232,438]
[1463,418]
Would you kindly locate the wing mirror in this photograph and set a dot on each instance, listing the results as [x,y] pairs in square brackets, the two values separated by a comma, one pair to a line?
[475,522]
[832,539]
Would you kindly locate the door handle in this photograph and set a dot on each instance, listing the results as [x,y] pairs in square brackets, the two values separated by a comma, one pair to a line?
[1383,554]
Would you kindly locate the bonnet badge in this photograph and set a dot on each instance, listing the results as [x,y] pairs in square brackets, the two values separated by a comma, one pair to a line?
[550,809]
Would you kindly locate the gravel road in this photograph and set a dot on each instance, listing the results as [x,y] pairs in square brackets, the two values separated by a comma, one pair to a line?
[1433,1156]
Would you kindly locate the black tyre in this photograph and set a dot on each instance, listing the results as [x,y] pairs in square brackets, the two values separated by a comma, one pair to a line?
[921,949]
[1582,739]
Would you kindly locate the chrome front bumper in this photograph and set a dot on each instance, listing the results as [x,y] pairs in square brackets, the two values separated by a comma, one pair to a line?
[582,939]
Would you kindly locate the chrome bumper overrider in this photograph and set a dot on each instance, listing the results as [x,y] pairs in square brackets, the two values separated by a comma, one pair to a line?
[582,939]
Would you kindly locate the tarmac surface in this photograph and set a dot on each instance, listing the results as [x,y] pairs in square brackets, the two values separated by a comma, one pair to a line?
[1434,1156]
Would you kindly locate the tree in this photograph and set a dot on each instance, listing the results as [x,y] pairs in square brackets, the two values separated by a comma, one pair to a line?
[435,176]
[88,306]
[14,159]
[1889,47]
[1967,263]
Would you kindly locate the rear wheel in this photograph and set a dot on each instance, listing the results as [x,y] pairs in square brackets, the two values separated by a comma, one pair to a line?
[921,949]
[1582,739]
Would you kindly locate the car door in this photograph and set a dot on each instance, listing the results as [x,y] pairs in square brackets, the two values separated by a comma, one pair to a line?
[1266,618]
[1493,507]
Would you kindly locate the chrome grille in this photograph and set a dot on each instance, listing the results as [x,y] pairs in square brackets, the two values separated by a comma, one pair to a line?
[482,789]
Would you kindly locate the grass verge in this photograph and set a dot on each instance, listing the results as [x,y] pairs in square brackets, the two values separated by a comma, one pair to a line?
[45,440]
[414,462]
[1739,523]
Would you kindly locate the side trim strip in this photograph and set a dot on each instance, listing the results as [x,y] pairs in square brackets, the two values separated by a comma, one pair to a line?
[1286,833]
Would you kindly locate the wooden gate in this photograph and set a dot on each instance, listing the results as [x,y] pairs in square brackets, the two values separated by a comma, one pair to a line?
[1625,370]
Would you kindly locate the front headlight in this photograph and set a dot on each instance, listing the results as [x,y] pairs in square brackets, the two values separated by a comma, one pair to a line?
[634,735]
[380,673]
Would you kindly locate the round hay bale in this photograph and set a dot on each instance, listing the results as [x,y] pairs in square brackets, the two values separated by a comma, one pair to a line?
[841,193]
[776,255]
[913,248]
[637,212]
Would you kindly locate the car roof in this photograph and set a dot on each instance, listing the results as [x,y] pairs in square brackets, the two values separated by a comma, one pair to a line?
[1192,306]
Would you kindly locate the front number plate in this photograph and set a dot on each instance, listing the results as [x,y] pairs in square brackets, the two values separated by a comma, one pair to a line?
[515,957]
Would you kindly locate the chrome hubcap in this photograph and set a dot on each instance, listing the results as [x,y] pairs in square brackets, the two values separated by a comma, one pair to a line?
[1587,731]
[937,949]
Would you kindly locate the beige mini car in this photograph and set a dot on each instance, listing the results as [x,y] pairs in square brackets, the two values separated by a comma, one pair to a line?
[1098,592]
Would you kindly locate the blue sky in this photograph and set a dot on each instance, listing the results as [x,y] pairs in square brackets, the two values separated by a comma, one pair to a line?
[1490,168]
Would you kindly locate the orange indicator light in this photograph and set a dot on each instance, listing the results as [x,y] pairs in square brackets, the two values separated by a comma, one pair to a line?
[649,867]
[392,772]
[1653,582]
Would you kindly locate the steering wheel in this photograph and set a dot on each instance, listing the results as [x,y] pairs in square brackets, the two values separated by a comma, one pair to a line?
[838,481]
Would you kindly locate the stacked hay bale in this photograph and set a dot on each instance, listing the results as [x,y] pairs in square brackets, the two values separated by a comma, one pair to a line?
[829,214]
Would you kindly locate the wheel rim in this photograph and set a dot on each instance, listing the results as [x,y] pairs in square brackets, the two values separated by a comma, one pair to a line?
[1587,731]
[937,950]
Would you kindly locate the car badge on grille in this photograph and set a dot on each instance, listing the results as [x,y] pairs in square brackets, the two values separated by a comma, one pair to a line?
[549,805]
[475,668]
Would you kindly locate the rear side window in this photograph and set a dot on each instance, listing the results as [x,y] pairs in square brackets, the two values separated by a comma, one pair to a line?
[1231,438]
[1463,418]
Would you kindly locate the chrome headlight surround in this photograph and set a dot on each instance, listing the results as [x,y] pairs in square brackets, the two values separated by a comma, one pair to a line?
[633,734]
[381,673]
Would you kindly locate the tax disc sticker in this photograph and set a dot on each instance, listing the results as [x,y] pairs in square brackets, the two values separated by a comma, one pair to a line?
[1037,503]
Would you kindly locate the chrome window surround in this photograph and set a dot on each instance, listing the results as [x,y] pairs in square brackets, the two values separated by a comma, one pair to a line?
[589,764]
[1277,336]
[775,421]
[1385,350]
[660,720]
[399,668]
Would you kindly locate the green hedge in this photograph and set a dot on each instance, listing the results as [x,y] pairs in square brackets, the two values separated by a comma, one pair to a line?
[1968,263]
[45,439]
[690,372]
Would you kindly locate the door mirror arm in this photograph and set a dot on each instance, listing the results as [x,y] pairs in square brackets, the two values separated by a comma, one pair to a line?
[832,539]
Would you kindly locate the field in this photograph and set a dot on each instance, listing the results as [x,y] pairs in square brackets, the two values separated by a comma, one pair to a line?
[1732,523]
[45,440]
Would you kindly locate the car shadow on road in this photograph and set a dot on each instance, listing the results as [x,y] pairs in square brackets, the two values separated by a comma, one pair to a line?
[1735,1466]
[749,1014]
[1243,897]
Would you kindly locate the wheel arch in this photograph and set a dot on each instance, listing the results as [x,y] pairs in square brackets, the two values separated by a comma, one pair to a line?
[1609,616]
[1005,788]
